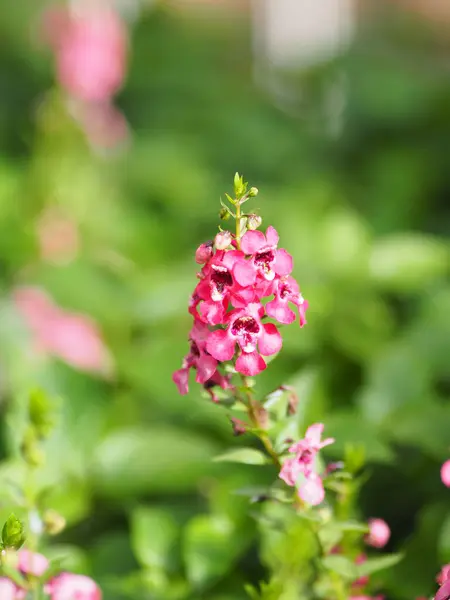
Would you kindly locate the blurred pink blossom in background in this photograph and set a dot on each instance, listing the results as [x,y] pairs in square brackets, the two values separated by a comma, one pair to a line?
[57,236]
[379,533]
[73,338]
[445,473]
[90,44]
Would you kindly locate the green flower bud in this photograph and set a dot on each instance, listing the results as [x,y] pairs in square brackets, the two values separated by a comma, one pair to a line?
[253,192]
[13,535]
[224,214]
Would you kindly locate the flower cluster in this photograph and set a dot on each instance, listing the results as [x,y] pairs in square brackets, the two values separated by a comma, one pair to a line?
[443,579]
[303,465]
[243,281]
[66,586]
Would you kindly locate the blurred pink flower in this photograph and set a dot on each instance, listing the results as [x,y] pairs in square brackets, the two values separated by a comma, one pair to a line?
[443,575]
[32,563]
[73,338]
[7,589]
[57,236]
[444,591]
[91,52]
[103,124]
[74,587]
[445,473]
[379,533]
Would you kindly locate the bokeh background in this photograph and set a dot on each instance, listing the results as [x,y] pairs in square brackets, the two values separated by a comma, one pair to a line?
[341,117]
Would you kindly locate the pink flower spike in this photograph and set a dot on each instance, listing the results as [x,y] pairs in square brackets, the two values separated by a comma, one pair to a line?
[7,589]
[443,592]
[445,473]
[74,587]
[379,533]
[32,563]
[311,491]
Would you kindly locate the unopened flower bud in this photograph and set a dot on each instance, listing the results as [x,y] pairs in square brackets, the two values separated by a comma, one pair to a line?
[239,427]
[224,214]
[13,535]
[54,523]
[253,222]
[253,192]
[379,533]
[445,473]
[203,253]
[222,240]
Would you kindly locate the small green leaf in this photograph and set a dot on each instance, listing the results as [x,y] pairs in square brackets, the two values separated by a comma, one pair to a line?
[247,456]
[41,410]
[341,565]
[154,533]
[13,535]
[372,565]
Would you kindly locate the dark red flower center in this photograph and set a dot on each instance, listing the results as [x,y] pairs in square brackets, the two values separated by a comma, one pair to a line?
[284,291]
[194,350]
[264,259]
[306,457]
[220,279]
[246,329]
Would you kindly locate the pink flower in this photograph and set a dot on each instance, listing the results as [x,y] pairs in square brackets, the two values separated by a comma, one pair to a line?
[379,533]
[445,473]
[311,490]
[8,590]
[443,575]
[104,126]
[286,290]
[444,591]
[266,259]
[303,463]
[71,337]
[362,581]
[74,587]
[197,359]
[246,330]
[91,54]
[32,563]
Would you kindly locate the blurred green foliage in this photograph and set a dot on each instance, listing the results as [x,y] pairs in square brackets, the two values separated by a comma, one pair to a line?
[365,215]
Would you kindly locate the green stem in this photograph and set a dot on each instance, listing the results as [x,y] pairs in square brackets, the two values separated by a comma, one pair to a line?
[264,438]
[238,225]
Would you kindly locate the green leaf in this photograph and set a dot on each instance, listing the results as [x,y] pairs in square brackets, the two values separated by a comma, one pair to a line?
[408,261]
[136,460]
[211,546]
[247,456]
[154,533]
[41,412]
[341,565]
[372,565]
[13,535]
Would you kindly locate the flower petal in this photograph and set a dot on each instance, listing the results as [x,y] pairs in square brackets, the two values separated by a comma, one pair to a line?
[181,380]
[206,367]
[314,433]
[311,491]
[252,241]
[270,341]
[280,311]
[212,312]
[220,345]
[290,471]
[244,273]
[283,263]
[272,236]
[250,364]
